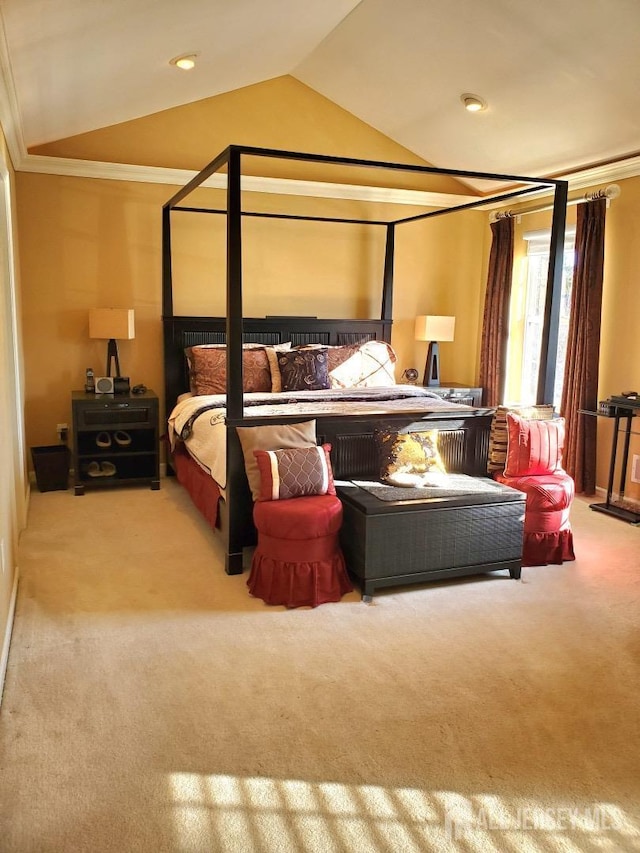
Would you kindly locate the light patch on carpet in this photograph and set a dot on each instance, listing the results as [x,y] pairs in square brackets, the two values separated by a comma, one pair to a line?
[253,813]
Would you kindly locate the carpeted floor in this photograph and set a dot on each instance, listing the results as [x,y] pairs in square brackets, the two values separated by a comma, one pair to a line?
[152,705]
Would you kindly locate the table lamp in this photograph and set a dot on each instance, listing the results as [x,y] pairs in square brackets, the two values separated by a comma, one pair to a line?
[433,329]
[109,324]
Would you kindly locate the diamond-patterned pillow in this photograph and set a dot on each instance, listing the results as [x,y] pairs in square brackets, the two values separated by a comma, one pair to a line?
[294,472]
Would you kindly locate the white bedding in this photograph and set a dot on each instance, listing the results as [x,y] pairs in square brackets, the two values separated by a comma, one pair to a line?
[199,421]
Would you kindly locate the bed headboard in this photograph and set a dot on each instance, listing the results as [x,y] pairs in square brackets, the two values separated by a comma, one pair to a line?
[181,332]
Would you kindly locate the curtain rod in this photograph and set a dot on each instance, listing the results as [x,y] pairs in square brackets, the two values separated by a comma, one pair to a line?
[612,191]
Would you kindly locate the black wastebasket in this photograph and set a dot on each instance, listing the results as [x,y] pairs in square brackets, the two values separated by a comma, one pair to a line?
[51,465]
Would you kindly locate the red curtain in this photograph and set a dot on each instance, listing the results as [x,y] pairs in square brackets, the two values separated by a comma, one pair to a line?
[580,386]
[495,324]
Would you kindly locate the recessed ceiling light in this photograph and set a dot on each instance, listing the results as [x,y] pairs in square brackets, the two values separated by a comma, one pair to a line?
[473,103]
[187,61]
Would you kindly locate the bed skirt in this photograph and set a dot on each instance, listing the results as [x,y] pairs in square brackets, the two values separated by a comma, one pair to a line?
[298,584]
[541,549]
[202,488]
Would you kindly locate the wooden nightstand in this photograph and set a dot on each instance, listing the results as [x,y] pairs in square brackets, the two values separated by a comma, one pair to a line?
[115,440]
[457,393]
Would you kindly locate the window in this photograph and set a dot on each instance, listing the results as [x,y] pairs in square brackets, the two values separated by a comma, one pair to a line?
[537,265]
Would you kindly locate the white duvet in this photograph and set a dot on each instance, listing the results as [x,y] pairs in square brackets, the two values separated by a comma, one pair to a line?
[200,421]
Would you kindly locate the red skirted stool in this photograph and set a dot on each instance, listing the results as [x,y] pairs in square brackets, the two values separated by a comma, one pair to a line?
[298,561]
[547,532]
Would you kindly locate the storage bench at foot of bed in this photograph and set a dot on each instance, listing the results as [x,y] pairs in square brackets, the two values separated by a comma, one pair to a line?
[397,542]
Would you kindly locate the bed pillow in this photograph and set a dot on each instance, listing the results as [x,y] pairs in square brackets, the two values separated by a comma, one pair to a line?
[208,368]
[367,365]
[498,436]
[294,473]
[409,458]
[272,437]
[304,369]
[534,446]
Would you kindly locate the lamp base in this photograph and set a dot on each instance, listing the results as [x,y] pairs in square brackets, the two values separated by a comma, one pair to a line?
[112,356]
[432,366]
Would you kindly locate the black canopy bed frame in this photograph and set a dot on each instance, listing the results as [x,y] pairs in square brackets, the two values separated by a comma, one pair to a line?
[465,433]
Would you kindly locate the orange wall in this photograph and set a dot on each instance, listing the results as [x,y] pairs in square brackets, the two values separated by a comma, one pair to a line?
[84,244]
[97,243]
[620,341]
[94,243]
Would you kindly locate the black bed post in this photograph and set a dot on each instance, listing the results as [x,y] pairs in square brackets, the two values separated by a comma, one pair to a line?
[171,367]
[550,326]
[234,288]
[387,282]
[167,282]
[235,397]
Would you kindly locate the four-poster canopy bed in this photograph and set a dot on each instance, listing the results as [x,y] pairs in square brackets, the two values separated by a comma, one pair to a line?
[463,431]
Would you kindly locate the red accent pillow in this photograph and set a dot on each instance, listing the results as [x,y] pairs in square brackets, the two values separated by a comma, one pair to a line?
[534,447]
[294,472]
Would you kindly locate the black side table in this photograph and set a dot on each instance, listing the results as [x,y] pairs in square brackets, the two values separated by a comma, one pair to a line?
[115,440]
[458,393]
[617,508]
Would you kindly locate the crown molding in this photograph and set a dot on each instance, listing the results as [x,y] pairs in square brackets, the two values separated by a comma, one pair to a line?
[618,171]
[584,179]
[68,167]
[180,177]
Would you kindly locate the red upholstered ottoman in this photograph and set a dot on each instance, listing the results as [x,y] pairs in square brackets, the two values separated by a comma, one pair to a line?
[534,466]
[298,560]
[547,530]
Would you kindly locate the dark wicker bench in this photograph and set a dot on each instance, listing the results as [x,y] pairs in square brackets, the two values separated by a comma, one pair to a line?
[396,542]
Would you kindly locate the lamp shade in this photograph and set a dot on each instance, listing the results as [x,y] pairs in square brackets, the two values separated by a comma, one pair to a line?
[434,328]
[108,323]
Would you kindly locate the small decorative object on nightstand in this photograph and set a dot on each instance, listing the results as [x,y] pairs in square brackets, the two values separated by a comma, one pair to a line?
[115,440]
[410,376]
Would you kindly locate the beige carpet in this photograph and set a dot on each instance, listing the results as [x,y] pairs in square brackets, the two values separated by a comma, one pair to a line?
[152,705]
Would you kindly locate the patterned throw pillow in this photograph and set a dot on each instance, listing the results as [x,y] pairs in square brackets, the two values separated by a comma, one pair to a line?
[408,458]
[535,446]
[272,437]
[208,369]
[304,369]
[498,437]
[294,473]
[367,365]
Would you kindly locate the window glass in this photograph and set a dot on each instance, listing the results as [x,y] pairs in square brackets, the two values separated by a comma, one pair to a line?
[537,264]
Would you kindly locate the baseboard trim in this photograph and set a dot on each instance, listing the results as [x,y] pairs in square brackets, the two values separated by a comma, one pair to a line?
[615,496]
[4,660]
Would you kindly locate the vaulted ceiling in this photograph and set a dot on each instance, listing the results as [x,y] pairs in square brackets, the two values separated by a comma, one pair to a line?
[561,78]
